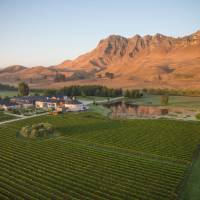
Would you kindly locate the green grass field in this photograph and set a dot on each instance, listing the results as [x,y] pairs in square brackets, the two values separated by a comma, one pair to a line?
[8,93]
[97,158]
[5,117]
[174,101]
[99,109]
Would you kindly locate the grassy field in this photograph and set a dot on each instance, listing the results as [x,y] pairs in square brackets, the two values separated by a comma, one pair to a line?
[5,117]
[99,109]
[8,93]
[181,101]
[97,158]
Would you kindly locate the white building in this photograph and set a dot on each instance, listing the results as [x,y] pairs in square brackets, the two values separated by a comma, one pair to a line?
[61,104]
[74,105]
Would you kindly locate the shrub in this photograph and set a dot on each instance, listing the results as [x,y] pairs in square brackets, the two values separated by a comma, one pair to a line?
[37,130]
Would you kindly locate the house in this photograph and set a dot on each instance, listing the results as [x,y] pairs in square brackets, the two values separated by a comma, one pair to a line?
[61,104]
[58,103]
[7,105]
[48,102]
[74,105]
[26,101]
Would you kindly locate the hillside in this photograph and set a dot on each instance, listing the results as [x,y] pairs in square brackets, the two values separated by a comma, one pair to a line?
[149,61]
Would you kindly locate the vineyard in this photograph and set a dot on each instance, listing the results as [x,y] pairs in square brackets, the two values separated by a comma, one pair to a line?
[97,158]
[5,117]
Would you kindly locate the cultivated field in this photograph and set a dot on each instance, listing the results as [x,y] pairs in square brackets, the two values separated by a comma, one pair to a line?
[5,117]
[97,158]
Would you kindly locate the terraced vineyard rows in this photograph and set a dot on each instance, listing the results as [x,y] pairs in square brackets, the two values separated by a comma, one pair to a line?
[96,158]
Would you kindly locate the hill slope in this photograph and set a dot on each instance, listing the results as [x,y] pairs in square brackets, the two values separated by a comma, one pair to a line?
[149,61]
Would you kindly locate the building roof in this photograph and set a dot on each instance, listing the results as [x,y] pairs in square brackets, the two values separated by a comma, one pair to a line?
[7,103]
[71,101]
[27,99]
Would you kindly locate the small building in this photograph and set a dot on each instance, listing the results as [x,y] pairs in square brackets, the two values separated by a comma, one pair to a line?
[7,105]
[74,105]
[26,101]
[49,102]
[61,104]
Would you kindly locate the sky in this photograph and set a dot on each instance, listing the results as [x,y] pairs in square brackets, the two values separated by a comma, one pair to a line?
[47,32]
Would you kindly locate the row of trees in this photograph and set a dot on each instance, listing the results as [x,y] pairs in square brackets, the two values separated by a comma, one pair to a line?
[133,93]
[7,87]
[86,90]
[97,90]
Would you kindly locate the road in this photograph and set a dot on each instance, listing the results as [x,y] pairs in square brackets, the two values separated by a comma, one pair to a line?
[22,118]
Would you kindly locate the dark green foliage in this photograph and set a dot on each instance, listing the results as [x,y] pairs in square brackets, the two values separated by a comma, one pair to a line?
[133,93]
[198,116]
[23,89]
[85,90]
[49,92]
[7,87]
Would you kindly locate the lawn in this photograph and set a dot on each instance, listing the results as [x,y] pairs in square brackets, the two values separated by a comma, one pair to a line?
[97,158]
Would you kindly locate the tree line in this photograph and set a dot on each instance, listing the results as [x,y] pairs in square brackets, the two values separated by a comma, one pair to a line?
[85,90]
[133,93]
[97,90]
[7,87]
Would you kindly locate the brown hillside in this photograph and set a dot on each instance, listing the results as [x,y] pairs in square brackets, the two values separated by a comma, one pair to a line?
[149,61]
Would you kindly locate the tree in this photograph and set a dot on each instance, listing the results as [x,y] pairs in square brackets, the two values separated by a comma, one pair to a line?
[127,93]
[50,92]
[164,99]
[37,130]
[23,89]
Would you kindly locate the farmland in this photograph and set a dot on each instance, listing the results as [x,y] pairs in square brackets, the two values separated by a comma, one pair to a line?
[97,158]
[5,117]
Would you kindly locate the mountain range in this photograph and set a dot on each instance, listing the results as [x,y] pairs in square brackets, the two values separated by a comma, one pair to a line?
[156,61]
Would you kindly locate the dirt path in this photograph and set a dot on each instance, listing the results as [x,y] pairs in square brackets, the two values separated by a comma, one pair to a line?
[22,118]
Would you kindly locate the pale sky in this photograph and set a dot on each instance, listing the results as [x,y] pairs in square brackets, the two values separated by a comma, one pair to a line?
[47,32]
